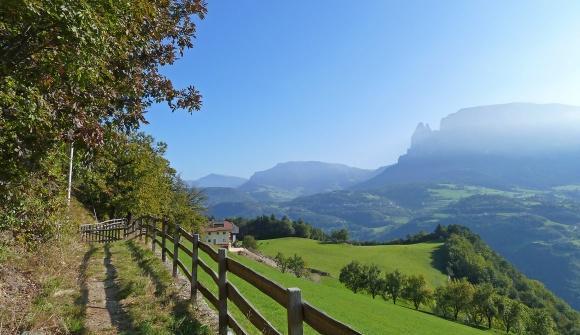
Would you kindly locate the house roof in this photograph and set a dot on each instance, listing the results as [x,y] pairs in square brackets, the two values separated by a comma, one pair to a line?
[222,226]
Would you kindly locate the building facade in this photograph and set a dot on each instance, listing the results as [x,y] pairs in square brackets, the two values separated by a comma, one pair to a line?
[222,234]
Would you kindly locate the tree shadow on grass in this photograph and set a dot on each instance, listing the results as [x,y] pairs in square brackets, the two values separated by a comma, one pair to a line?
[84,289]
[480,327]
[439,259]
[184,321]
[140,256]
[119,318]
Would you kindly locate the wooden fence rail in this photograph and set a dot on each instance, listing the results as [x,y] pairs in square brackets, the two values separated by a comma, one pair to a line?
[298,311]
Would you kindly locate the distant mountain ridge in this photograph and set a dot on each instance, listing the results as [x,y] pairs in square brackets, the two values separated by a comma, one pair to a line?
[289,180]
[217,180]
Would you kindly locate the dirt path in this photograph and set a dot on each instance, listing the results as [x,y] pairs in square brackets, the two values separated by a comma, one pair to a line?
[104,313]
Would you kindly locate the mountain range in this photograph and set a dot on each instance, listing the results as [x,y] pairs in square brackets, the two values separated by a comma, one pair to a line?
[509,172]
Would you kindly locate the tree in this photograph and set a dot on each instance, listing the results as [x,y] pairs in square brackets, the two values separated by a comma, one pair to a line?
[394,284]
[249,242]
[374,283]
[540,323]
[297,265]
[511,313]
[484,304]
[339,236]
[460,295]
[301,229]
[282,262]
[317,234]
[443,301]
[416,290]
[351,275]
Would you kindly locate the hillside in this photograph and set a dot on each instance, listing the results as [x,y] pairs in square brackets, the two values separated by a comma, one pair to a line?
[488,145]
[409,259]
[459,254]
[370,316]
[523,225]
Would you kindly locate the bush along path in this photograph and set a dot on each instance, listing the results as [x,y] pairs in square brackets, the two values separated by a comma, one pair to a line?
[129,291]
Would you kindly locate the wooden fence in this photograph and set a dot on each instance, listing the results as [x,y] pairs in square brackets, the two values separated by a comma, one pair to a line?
[298,311]
[107,231]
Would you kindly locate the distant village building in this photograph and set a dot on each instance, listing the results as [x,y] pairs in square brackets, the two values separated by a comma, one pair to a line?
[222,234]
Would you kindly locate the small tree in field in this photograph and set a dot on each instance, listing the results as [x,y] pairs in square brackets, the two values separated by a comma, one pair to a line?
[416,290]
[249,242]
[297,265]
[460,294]
[484,304]
[374,282]
[394,283]
[351,276]
[282,262]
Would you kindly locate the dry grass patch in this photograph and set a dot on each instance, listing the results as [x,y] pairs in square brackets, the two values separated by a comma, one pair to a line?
[41,289]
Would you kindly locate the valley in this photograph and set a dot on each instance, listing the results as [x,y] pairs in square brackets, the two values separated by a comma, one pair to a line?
[519,193]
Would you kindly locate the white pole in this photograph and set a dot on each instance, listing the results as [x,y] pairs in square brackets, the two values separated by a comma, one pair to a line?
[70,171]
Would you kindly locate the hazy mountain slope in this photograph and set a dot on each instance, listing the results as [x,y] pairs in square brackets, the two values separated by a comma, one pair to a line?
[506,145]
[292,179]
[216,195]
[217,180]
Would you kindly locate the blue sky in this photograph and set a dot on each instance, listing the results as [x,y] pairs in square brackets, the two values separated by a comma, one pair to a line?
[348,81]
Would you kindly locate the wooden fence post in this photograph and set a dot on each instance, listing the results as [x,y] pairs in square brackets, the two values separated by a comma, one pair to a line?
[295,316]
[163,238]
[175,249]
[194,261]
[223,292]
[154,235]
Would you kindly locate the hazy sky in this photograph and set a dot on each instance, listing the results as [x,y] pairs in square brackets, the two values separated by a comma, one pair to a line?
[348,81]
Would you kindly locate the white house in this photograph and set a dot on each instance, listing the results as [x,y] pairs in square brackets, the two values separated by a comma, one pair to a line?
[222,234]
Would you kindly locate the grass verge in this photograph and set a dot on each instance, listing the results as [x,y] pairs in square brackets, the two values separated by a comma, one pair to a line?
[151,301]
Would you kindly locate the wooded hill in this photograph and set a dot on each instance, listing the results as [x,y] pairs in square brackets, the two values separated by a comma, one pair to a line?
[453,251]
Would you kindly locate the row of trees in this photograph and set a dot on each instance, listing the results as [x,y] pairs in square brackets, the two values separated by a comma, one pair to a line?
[392,285]
[294,264]
[269,226]
[479,303]
[265,227]
[458,299]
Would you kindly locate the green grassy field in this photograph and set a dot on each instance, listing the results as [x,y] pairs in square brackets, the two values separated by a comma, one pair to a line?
[370,316]
[410,259]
